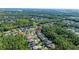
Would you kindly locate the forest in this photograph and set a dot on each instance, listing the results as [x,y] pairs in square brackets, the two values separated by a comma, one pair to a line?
[39,29]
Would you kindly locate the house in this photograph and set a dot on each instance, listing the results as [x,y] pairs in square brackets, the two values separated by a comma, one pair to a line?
[21,33]
[37,29]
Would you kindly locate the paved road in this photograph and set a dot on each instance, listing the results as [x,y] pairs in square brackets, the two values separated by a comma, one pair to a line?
[40,42]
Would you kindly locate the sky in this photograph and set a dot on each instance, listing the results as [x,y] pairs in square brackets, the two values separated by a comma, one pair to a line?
[68,4]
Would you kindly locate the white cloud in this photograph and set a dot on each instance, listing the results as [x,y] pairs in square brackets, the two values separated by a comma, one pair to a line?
[39,4]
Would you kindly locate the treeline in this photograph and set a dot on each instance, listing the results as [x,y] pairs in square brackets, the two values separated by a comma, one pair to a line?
[10,42]
[5,26]
[63,38]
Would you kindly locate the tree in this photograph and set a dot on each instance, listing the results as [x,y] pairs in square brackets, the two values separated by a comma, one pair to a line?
[11,42]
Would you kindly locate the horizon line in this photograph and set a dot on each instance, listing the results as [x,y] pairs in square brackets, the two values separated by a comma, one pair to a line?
[39,8]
